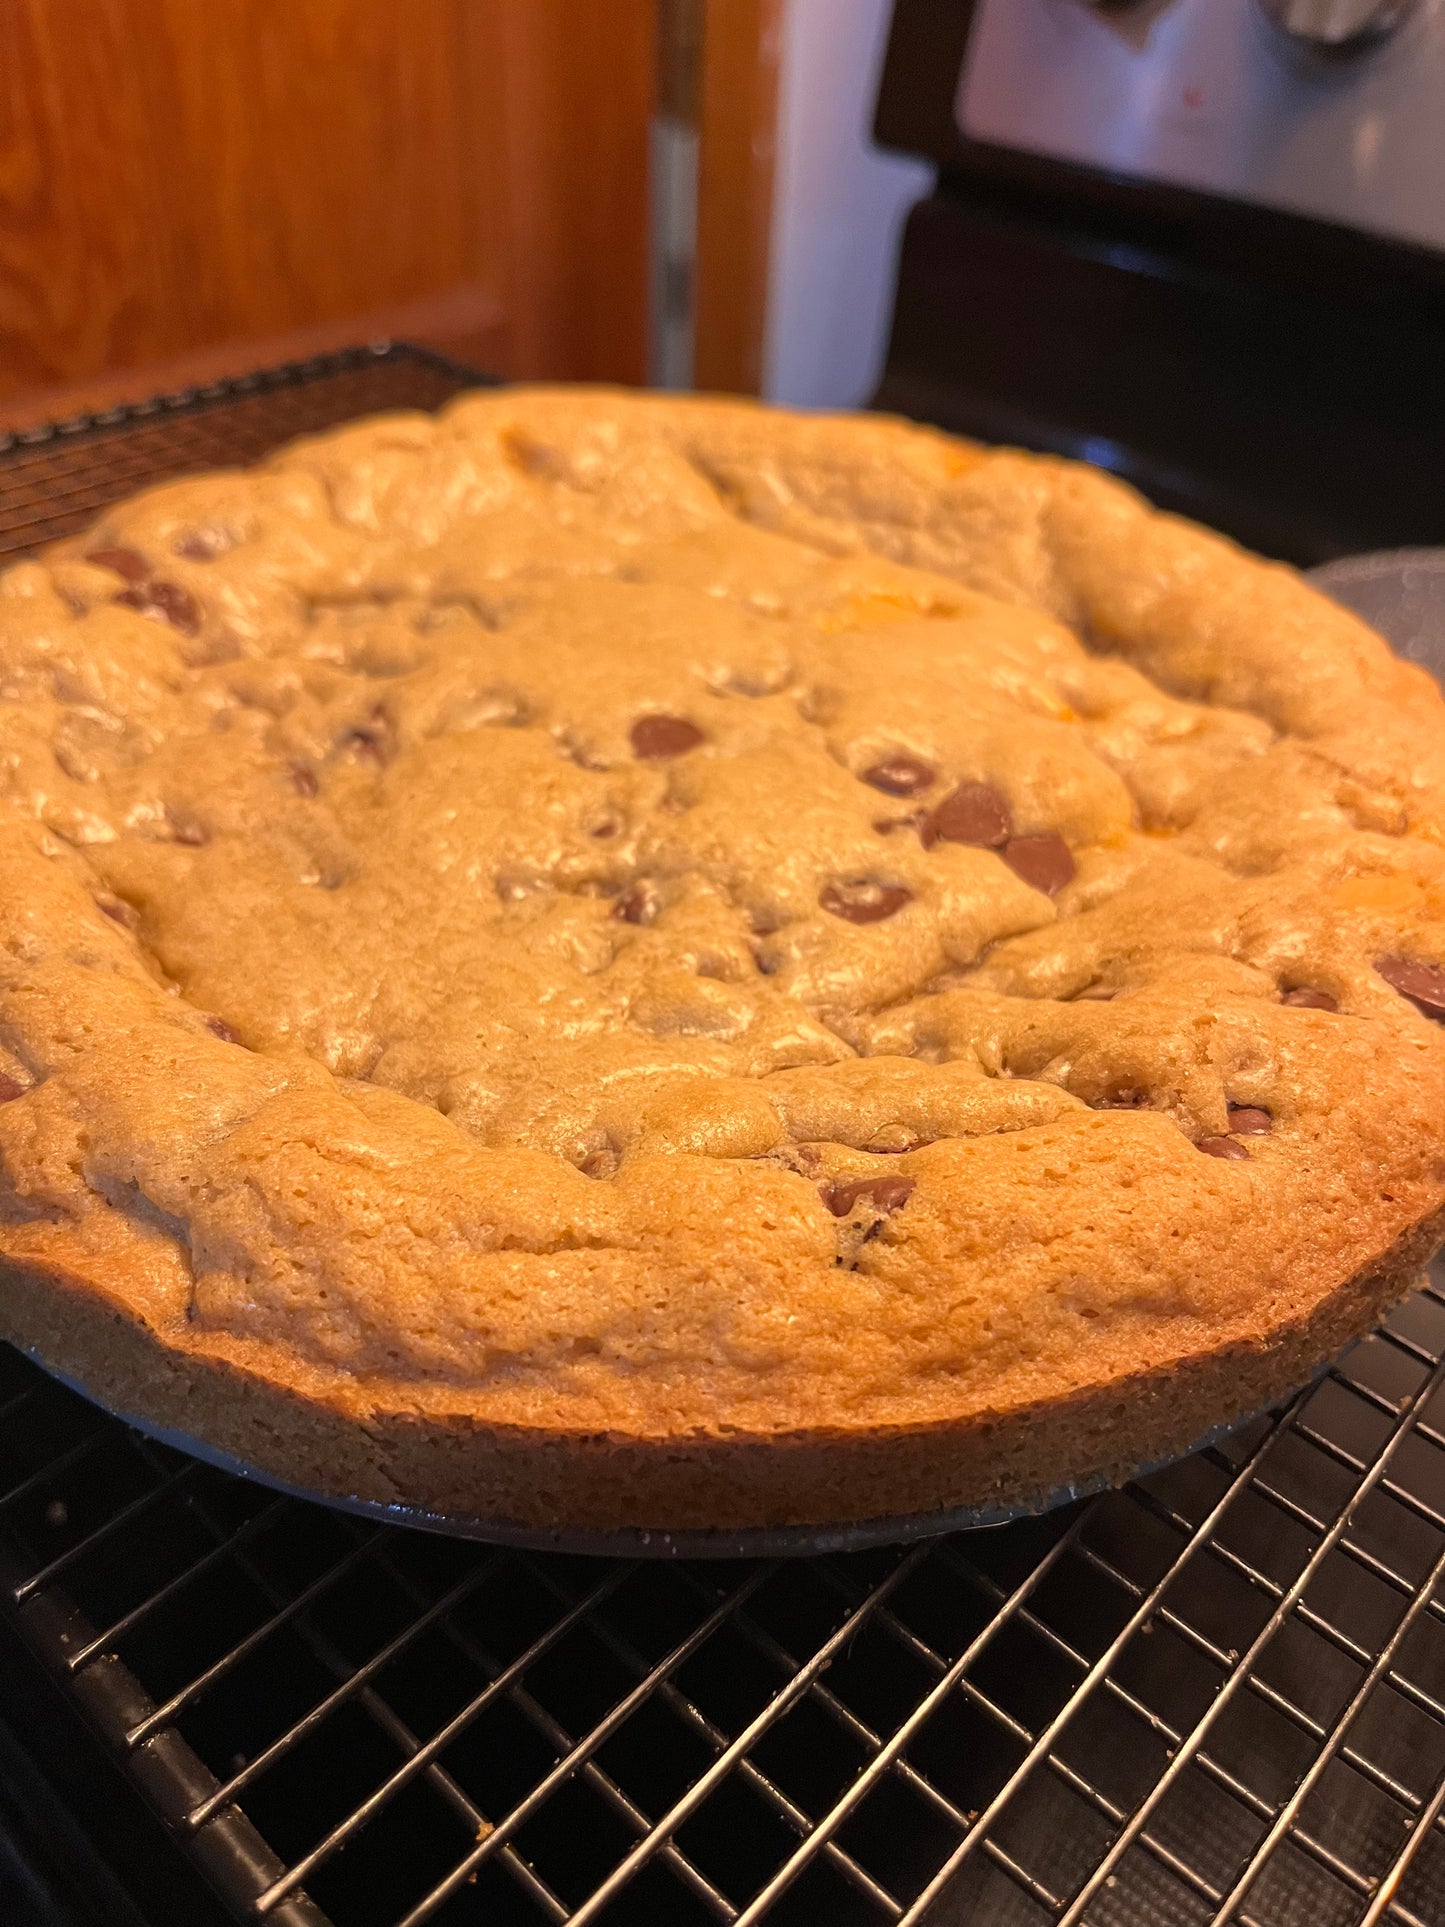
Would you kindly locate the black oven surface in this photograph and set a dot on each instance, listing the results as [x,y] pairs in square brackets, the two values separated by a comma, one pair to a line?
[1218,1694]
[1278,377]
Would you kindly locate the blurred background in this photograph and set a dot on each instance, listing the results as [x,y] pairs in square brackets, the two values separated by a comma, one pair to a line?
[212,187]
[1198,242]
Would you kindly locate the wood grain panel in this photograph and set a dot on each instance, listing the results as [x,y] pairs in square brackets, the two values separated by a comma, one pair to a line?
[735,191]
[175,175]
[463,322]
[574,90]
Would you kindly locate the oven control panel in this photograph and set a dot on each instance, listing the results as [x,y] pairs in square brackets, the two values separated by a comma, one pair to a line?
[1328,108]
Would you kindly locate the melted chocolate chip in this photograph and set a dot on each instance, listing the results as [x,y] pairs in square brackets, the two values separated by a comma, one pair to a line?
[117,910]
[10,1088]
[975,813]
[1250,1120]
[884,1194]
[202,545]
[371,739]
[1423,983]
[218,1027]
[916,819]
[1043,861]
[657,736]
[122,562]
[1304,998]
[304,780]
[166,602]
[640,904]
[1222,1147]
[899,775]
[866,902]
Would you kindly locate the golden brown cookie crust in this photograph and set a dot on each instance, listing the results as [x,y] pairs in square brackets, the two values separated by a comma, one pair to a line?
[601,960]
[1017,1450]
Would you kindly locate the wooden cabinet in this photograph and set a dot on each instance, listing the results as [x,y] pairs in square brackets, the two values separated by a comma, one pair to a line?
[197,181]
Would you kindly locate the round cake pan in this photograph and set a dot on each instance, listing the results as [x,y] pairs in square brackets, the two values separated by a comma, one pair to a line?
[638,1542]
[1400,592]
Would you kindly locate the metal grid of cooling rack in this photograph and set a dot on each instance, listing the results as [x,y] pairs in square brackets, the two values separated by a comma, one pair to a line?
[1216,1695]
[55,480]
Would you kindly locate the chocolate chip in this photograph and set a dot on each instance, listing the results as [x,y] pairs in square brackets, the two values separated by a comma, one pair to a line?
[639,905]
[10,1089]
[974,813]
[123,562]
[915,820]
[202,545]
[371,739]
[304,780]
[899,775]
[118,911]
[657,736]
[1250,1120]
[1304,998]
[165,602]
[1042,861]
[884,1194]
[218,1027]
[864,902]
[1423,983]
[1222,1147]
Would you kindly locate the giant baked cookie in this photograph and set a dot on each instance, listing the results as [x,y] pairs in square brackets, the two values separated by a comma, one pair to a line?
[599,960]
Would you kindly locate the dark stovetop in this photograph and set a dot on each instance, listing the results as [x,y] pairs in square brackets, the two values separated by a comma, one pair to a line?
[1277,377]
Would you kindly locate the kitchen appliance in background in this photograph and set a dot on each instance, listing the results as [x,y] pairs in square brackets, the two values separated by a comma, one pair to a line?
[1200,242]
[838,203]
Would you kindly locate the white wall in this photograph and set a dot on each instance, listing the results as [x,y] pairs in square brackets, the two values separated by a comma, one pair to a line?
[838,206]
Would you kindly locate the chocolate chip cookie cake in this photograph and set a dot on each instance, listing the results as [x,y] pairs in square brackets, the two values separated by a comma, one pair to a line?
[602,961]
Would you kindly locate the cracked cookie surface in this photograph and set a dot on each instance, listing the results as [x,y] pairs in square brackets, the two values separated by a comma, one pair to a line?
[614,924]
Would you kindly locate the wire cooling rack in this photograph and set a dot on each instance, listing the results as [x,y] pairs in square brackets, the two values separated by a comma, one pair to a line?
[56,479]
[1217,1695]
